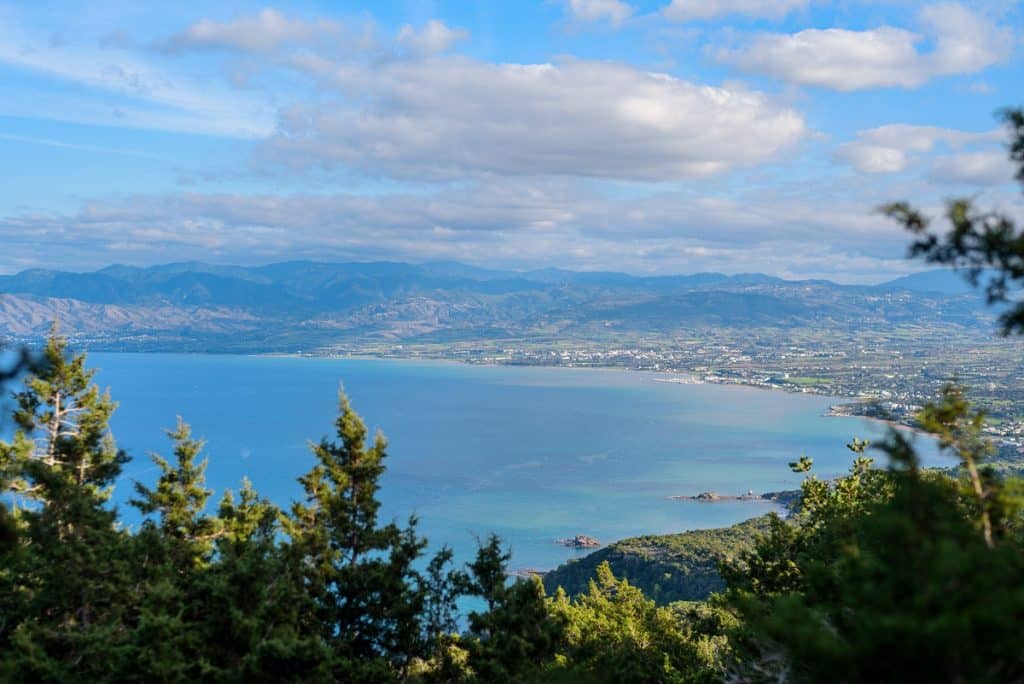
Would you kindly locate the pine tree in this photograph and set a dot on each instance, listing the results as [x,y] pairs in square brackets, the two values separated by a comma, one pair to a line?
[180,498]
[65,584]
[66,418]
[365,599]
[170,557]
[252,629]
[515,637]
[615,634]
[442,586]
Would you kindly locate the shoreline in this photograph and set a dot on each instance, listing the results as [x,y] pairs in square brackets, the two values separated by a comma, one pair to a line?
[670,377]
[666,376]
[895,424]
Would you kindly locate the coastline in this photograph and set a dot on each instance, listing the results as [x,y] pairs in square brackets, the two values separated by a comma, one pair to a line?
[667,376]
[895,424]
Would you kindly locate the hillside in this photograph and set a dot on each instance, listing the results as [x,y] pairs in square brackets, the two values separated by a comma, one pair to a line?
[669,567]
[314,306]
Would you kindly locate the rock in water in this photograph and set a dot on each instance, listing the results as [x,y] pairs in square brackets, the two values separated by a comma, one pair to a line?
[580,541]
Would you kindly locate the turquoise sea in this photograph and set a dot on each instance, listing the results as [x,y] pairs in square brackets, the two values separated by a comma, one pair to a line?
[533,454]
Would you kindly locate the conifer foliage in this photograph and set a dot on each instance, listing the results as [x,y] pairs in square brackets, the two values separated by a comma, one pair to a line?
[363,593]
[65,573]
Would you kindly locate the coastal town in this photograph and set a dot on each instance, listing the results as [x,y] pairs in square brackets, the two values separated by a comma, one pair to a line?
[885,377]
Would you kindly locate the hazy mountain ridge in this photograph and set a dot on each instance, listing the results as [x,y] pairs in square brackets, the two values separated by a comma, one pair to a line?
[389,301]
[29,316]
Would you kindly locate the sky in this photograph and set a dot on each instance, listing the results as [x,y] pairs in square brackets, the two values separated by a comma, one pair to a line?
[673,136]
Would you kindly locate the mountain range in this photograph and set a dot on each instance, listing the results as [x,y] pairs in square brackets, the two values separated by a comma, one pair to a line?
[293,305]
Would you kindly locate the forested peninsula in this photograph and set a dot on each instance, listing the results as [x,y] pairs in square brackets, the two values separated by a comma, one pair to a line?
[667,567]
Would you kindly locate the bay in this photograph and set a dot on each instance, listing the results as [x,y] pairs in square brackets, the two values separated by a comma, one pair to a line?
[531,454]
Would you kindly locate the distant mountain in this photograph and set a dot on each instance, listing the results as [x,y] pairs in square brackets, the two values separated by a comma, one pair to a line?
[307,304]
[942,281]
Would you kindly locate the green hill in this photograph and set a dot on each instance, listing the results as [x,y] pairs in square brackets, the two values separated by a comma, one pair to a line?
[669,567]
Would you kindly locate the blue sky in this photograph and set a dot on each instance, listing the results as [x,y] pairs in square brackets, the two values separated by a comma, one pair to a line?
[652,137]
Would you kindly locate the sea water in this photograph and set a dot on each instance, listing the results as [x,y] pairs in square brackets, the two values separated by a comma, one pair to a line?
[531,454]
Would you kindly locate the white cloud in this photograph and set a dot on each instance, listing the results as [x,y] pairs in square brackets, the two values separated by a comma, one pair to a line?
[445,117]
[986,168]
[614,11]
[891,148]
[266,30]
[845,60]
[834,58]
[874,158]
[433,38]
[691,10]
[806,232]
[966,42]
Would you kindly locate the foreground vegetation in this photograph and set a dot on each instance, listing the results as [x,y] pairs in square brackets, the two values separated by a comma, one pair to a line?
[881,571]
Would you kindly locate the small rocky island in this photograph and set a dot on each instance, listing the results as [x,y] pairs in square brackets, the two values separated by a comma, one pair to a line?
[789,498]
[580,541]
[715,496]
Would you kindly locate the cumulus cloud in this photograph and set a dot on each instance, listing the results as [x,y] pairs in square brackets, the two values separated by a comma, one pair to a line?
[891,148]
[266,30]
[964,42]
[874,158]
[396,108]
[444,117]
[432,38]
[989,167]
[613,11]
[691,10]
